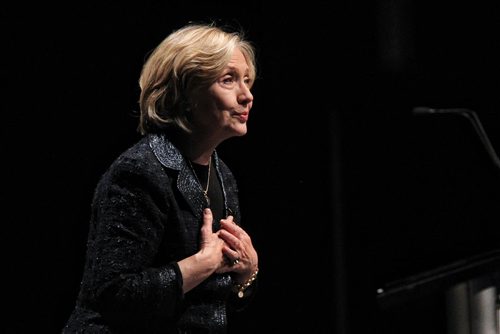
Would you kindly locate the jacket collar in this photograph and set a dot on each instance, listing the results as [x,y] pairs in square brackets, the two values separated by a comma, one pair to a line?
[170,157]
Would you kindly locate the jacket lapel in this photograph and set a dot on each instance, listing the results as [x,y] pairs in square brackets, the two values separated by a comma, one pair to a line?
[170,157]
[190,190]
[227,200]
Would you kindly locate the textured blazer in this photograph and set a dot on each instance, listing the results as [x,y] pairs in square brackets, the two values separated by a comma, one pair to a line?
[146,215]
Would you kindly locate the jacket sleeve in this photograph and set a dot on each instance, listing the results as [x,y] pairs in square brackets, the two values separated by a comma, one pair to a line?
[130,208]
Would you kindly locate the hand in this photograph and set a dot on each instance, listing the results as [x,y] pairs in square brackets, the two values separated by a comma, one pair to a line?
[210,243]
[209,259]
[238,248]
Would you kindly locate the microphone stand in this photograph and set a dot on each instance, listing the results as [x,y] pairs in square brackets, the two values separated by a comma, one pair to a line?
[473,305]
[476,123]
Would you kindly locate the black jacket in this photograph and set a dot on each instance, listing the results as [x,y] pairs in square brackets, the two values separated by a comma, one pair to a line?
[146,216]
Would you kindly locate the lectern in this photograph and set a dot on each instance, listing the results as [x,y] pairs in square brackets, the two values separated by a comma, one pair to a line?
[461,296]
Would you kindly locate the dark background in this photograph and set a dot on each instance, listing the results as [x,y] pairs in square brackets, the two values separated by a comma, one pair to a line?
[343,189]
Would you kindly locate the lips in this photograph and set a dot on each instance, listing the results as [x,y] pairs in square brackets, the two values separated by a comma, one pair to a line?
[242,116]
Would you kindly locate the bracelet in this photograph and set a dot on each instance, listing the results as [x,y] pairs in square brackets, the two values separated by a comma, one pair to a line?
[240,288]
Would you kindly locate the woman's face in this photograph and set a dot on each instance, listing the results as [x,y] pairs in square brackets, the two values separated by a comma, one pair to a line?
[222,110]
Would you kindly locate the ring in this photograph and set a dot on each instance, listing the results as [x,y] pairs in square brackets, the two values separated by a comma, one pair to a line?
[236,261]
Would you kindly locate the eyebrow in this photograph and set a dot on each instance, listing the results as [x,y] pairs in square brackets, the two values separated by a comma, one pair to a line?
[232,68]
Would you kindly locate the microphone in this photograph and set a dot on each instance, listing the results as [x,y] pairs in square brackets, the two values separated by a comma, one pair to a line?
[427,110]
[471,116]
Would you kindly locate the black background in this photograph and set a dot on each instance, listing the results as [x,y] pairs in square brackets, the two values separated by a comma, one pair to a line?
[342,188]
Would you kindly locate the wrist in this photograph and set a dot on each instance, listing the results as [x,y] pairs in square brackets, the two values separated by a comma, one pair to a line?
[204,260]
[240,288]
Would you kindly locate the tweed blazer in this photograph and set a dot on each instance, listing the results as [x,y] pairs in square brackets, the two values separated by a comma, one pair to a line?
[146,215]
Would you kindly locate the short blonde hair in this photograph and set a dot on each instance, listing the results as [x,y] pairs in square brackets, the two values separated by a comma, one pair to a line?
[190,58]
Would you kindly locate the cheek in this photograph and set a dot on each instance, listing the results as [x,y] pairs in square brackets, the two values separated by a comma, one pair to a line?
[224,101]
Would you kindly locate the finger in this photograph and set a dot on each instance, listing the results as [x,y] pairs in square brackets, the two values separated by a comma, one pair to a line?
[232,256]
[228,219]
[232,227]
[230,239]
[206,228]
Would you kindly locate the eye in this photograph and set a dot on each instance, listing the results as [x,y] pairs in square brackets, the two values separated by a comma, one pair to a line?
[227,79]
[248,81]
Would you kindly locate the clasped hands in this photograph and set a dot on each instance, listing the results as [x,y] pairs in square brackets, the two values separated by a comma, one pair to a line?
[231,245]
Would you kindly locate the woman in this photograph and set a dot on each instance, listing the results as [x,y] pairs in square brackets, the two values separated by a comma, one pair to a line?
[165,250]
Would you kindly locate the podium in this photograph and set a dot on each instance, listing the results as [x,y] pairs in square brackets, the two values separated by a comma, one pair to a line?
[465,293]
[457,297]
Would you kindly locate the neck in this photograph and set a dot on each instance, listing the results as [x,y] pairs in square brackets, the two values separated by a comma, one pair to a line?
[197,148]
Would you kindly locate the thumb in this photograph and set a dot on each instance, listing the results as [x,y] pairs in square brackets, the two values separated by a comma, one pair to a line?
[206,228]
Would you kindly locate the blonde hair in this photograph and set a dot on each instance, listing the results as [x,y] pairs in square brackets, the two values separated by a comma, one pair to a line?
[189,58]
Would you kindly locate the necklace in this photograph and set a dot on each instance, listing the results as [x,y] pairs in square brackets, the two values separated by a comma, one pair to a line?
[205,191]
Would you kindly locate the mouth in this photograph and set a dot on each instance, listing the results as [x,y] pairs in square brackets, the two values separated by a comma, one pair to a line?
[242,116]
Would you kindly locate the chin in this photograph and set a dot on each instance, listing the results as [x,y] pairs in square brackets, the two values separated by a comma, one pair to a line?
[239,130]
[243,132]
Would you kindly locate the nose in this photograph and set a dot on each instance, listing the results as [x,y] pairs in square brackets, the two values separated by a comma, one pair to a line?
[245,96]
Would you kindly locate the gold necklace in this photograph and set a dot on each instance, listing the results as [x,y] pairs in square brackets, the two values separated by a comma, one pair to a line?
[205,191]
